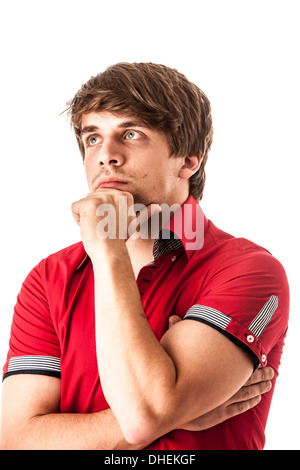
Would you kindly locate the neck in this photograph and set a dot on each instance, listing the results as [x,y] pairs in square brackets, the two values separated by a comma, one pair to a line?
[140,253]
[141,249]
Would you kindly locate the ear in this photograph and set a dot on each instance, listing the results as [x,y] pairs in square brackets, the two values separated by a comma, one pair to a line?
[190,165]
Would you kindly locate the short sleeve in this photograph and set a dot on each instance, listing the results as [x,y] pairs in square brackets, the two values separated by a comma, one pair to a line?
[33,345]
[246,297]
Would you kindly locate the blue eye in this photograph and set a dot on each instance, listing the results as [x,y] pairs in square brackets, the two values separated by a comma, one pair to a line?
[93,140]
[132,135]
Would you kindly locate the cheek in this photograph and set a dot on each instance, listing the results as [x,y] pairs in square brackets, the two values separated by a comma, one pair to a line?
[153,180]
[89,173]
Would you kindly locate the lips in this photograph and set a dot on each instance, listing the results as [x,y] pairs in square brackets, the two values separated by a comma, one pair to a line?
[111,182]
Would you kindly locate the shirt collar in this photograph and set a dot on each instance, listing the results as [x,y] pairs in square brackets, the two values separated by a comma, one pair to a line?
[166,242]
[186,229]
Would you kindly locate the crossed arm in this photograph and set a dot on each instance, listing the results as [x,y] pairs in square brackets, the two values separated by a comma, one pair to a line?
[31,418]
[152,387]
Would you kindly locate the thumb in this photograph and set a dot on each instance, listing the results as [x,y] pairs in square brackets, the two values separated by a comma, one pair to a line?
[174,319]
[139,226]
[148,211]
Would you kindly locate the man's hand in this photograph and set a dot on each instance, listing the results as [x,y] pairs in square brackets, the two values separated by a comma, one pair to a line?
[110,214]
[246,398]
[103,216]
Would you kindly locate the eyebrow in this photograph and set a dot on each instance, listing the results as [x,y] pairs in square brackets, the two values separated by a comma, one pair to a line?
[122,125]
[88,129]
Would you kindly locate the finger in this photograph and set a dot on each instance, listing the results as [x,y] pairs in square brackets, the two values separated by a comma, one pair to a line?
[142,217]
[147,212]
[241,407]
[261,375]
[154,209]
[75,212]
[174,319]
[251,391]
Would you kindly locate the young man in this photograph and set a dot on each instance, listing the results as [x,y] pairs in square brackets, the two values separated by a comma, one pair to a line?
[93,362]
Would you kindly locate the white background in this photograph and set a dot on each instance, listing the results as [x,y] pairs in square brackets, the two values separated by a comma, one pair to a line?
[243,54]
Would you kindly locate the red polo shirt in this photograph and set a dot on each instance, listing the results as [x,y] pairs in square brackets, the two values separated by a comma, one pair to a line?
[199,273]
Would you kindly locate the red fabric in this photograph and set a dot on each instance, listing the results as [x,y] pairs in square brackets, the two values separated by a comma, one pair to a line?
[54,317]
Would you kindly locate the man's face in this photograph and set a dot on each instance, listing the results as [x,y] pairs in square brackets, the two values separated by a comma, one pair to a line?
[122,153]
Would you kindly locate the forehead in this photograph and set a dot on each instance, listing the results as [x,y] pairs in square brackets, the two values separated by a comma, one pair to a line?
[106,120]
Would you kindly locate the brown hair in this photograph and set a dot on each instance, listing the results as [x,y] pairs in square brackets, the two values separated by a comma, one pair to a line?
[162,97]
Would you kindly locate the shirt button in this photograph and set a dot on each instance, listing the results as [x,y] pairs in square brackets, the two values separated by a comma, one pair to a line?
[263,358]
[250,338]
[173,258]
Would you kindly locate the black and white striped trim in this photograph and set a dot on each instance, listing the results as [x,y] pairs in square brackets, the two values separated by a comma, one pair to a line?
[264,316]
[209,315]
[166,242]
[45,365]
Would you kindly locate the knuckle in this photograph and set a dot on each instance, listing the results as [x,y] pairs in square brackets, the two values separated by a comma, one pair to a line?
[246,391]
[128,196]
[235,409]
[265,386]
[266,373]
[241,407]
[254,401]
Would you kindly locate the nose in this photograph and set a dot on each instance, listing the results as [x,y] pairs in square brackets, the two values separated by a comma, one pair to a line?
[110,154]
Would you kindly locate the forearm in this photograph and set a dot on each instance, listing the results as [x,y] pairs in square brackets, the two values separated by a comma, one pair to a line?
[151,386]
[68,431]
[135,370]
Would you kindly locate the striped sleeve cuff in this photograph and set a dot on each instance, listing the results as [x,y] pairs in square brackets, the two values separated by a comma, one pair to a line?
[247,336]
[42,365]
[208,315]
[219,321]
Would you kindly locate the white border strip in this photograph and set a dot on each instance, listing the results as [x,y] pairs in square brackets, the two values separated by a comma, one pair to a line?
[20,363]
[210,315]
[264,316]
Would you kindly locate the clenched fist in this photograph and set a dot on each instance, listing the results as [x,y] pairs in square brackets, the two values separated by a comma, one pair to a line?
[108,216]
